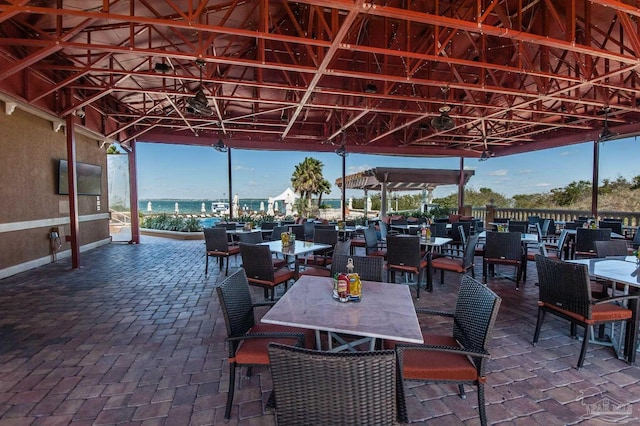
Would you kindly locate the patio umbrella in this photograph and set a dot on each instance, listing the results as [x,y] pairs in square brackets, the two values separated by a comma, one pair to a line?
[177,208]
[203,208]
[368,203]
[261,206]
[275,206]
[236,202]
[270,211]
[350,203]
[149,208]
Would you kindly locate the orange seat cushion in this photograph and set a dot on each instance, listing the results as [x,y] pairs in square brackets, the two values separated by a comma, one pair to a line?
[254,351]
[448,264]
[599,313]
[408,268]
[424,365]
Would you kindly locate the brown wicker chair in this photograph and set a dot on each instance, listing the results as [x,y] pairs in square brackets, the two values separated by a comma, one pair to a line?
[565,291]
[258,264]
[369,268]
[453,264]
[248,341]
[257,238]
[322,257]
[462,357]
[611,248]
[349,388]
[503,248]
[217,245]
[403,255]
[341,248]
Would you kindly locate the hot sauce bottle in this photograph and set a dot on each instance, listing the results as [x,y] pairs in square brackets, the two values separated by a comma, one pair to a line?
[343,287]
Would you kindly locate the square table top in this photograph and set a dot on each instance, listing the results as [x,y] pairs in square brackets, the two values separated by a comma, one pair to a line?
[622,269]
[300,247]
[386,310]
[614,235]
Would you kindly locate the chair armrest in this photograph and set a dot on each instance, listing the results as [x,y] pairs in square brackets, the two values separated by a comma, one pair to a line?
[273,335]
[615,299]
[434,312]
[439,348]
[259,304]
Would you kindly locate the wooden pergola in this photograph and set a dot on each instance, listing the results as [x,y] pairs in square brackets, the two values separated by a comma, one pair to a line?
[386,179]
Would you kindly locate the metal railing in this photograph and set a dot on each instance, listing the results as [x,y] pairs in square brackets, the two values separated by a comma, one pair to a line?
[120,218]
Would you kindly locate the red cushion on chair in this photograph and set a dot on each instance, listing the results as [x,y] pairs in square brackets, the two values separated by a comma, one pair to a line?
[599,313]
[254,351]
[448,264]
[424,365]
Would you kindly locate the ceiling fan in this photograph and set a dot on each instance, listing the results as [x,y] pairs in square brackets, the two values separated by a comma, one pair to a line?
[606,133]
[198,104]
[443,122]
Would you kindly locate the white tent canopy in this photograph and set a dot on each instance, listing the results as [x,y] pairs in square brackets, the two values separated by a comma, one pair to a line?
[287,196]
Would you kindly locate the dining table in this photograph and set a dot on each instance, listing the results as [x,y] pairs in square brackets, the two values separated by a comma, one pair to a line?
[623,270]
[292,251]
[385,311]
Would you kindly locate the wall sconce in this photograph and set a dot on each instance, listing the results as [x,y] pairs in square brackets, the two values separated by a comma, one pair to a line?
[161,67]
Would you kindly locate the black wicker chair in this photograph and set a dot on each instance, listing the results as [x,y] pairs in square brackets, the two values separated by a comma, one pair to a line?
[611,248]
[614,225]
[403,255]
[565,291]
[341,248]
[344,388]
[503,248]
[248,341]
[322,257]
[369,268]
[462,357]
[258,264]
[585,239]
[454,264]
[217,245]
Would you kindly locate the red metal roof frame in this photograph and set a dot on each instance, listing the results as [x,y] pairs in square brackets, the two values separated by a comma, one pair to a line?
[280,75]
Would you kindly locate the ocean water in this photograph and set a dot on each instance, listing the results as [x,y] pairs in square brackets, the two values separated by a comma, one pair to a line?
[196,206]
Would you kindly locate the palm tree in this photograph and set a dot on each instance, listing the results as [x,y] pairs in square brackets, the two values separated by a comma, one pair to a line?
[307,180]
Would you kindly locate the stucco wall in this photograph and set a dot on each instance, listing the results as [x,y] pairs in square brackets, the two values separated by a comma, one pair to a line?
[29,203]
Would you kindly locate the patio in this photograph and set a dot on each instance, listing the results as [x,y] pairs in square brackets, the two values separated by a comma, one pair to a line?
[136,336]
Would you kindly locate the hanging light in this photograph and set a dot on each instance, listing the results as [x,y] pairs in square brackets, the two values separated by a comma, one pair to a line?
[220,146]
[342,151]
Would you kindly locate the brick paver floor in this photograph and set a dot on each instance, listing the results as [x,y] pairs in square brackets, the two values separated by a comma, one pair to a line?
[136,336]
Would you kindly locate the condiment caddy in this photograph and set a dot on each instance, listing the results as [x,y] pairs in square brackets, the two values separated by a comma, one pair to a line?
[347,286]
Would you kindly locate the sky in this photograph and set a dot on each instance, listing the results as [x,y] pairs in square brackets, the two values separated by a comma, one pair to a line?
[190,172]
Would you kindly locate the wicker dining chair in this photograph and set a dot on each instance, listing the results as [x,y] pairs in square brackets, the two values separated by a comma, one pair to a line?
[611,248]
[256,237]
[258,264]
[635,242]
[565,291]
[454,264]
[614,225]
[217,245]
[503,248]
[585,239]
[338,388]
[369,268]
[341,248]
[373,247]
[247,340]
[322,257]
[403,255]
[461,357]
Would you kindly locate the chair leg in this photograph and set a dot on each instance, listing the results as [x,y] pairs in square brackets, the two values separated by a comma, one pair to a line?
[583,351]
[484,270]
[536,334]
[442,277]
[461,390]
[481,406]
[226,271]
[206,264]
[232,382]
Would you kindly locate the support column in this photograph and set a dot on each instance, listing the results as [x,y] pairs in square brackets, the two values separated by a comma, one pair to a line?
[461,188]
[133,194]
[230,183]
[366,205]
[73,192]
[594,180]
[344,185]
[383,201]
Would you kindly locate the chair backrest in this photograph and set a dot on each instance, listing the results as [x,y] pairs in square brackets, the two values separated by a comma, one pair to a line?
[370,240]
[551,229]
[403,250]
[438,229]
[312,387]
[369,268]
[459,235]
[237,306]
[503,245]
[585,238]
[532,220]
[325,236]
[564,285]
[298,231]
[399,221]
[342,247]
[615,226]
[383,230]
[324,226]
[257,262]
[268,225]
[571,225]
[277,231]
[544,227]
[231,226]
[250,237]
[216,239]
[636,238]
[562,239]
[470,250]
[475,314]
[308,228]
[611,248]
